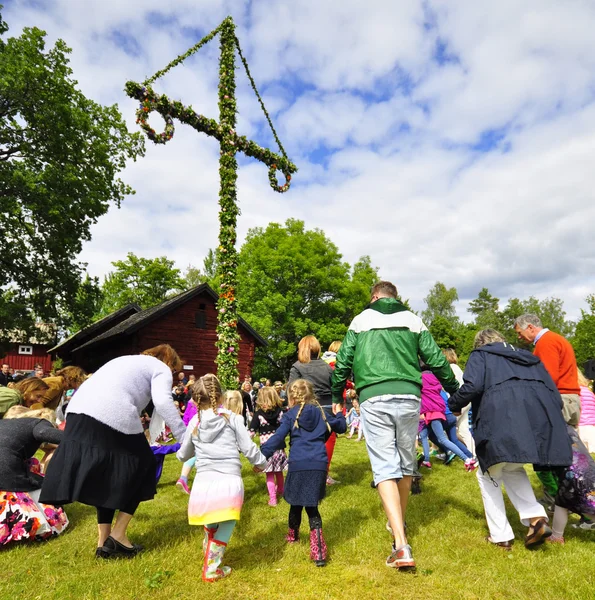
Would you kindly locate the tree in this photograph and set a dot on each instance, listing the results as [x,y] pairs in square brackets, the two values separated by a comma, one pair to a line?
[292,282]
[550,311]
[440,302]
[85,306]
[60,155]
[483,303]
[145,281]
[584,335]
[193,277]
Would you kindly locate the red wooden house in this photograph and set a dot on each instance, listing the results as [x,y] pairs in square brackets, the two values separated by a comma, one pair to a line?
[187,322]
[25,352]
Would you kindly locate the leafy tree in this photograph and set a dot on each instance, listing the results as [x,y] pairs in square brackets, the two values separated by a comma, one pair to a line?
[445,332]
[440,302]
[584,335]
[60,155]
[193,277]
[550,311]
[146,281]
[292,282]
[484,302]
[86,304]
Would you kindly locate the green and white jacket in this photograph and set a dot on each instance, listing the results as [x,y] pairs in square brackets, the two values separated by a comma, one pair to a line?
[382,348]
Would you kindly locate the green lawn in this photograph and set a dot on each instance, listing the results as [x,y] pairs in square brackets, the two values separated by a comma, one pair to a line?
[446,531]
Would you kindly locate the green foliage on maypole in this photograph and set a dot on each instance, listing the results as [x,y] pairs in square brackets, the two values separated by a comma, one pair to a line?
[230,142]
[227,333]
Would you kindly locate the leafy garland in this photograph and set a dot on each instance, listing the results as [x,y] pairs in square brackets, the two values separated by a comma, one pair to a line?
[146,106]
[228,338]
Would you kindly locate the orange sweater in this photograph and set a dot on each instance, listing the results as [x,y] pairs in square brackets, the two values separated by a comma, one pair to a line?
[557,355]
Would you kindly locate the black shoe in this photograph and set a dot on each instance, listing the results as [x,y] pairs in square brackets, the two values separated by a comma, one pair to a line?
[372,484]
[101,553]
[113,549]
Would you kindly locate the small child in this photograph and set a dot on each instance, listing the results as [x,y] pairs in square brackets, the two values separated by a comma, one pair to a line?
[575,489]
[233,401]
[265,422]
[354,420]
[308,428]
[216,436]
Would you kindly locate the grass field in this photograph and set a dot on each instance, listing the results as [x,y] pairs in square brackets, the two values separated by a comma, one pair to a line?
[446,531]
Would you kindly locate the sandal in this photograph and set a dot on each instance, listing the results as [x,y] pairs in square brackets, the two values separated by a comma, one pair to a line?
[538,533]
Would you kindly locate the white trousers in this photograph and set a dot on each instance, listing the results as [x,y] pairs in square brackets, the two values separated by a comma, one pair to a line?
[463,430]
[520,493]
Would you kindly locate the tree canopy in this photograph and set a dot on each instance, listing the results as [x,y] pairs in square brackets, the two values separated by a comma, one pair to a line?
[293,282]
[60,155]
[144,281]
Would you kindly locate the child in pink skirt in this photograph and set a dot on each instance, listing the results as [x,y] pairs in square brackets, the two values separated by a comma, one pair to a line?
[216,436]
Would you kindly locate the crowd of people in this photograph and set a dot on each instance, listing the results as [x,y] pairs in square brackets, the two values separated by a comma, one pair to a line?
[104,437]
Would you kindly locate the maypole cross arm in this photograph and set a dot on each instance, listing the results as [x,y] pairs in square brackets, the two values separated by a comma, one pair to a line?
[170,110]
[228,338]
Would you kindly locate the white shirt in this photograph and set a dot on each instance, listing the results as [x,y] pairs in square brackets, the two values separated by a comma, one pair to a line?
[117,393]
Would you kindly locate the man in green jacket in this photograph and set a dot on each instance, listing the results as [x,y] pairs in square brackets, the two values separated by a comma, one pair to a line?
[382,348]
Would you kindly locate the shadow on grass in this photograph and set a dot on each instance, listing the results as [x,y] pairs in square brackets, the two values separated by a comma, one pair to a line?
[270,547]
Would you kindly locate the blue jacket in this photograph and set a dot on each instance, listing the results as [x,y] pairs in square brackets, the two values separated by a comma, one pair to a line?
[306,442]
[517,409]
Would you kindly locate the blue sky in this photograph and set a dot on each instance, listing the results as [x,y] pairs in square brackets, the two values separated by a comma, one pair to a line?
[450,141]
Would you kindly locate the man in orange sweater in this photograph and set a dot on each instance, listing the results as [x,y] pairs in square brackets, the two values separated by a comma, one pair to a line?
[557,355]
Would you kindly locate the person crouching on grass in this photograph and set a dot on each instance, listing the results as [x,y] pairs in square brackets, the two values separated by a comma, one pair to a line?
[216,435]
[309,427]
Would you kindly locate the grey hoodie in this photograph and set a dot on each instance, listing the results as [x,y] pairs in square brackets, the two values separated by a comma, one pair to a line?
[218,442]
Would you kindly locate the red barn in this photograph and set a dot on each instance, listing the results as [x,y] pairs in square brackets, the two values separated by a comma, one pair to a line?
[187,322]
[24,353]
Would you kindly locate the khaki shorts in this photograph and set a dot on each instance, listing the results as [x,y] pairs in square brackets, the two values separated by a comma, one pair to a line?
[571,409]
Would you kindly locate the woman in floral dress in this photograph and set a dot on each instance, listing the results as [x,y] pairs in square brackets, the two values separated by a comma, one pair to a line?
[22,516]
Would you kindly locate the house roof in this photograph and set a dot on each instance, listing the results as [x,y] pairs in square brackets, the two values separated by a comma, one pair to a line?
[79,337]
[142,318]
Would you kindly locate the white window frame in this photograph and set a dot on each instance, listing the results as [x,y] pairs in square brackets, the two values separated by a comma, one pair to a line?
[26,350]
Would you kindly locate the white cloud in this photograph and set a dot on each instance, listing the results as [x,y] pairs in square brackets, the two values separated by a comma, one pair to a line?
[402,182]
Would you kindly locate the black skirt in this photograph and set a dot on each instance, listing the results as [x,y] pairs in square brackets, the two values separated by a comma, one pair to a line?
[305,488]
[99,466]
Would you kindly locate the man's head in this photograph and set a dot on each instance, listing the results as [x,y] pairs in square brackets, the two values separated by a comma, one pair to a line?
[527,327]
[181,376]
[5,368]
[383,289]
[39,372]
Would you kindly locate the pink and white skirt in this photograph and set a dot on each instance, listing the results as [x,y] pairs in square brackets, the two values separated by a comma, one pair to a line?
[215,497]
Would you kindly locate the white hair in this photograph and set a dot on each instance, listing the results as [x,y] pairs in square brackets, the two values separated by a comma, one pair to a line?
[528,319]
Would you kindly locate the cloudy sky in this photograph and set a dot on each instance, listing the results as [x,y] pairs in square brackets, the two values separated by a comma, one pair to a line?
[451,141]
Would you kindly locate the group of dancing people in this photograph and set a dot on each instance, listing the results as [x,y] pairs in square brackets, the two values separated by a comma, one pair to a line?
[406,387]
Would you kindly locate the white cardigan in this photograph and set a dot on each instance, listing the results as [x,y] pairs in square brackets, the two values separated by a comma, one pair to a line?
[116,394]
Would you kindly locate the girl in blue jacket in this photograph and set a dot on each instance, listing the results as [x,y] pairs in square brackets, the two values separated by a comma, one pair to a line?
[309,428]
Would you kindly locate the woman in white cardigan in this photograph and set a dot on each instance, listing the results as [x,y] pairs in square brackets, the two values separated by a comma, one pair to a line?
[104,459]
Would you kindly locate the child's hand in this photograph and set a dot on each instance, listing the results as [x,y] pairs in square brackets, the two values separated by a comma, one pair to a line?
[257,470]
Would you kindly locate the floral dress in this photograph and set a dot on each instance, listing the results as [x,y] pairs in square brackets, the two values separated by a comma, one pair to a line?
[576,483]
[23,517]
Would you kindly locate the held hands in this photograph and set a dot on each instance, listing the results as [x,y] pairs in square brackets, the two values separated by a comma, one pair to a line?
[257,470]
[337,408]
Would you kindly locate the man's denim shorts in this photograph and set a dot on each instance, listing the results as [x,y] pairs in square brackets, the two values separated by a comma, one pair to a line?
[390,426]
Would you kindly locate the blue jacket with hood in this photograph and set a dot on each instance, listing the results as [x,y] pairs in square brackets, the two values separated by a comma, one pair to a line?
[308,435]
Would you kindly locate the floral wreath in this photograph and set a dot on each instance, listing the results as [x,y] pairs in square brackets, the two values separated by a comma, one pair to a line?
[142,114]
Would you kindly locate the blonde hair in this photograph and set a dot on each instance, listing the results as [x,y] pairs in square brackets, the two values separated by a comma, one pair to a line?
[166,354]
[22,412]
[335,346]
[233,401]
[27,386]
[487,336]
[308,348]
[450,355]
[301,392]
[268,399]
[206,392]
[582,380]
[73,377]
